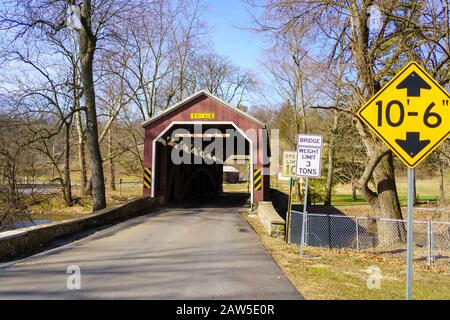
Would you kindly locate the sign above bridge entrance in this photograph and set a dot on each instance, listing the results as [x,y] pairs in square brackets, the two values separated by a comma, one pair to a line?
[203,115]
[410,114]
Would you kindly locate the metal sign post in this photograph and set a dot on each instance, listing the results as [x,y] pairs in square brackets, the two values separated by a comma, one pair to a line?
[288,213]
[409,235]
[288,171]
[305,218]
[309,157]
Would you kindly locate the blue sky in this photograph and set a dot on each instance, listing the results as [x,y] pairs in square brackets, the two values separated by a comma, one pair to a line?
[225,17]
[227,20]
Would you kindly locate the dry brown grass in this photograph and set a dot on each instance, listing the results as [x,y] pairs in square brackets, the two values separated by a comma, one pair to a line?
[342,274]
[54,206]
[236,187]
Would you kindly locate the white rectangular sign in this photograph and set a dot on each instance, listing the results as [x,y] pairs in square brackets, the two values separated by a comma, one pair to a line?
[309,155]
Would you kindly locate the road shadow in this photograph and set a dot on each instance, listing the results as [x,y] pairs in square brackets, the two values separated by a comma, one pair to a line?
[61,241]
[214,200]
[280,202]
[330,227]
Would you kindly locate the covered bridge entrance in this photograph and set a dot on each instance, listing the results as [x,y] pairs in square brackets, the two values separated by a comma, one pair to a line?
[186,145]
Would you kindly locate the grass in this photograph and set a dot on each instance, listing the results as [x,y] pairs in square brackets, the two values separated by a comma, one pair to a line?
[339,199]
[236,187]
[343,274]
[427,190]
[346,199]
[53,206]
[75,178]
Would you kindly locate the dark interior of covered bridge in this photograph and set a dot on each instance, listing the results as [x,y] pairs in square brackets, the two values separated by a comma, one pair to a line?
[189,159]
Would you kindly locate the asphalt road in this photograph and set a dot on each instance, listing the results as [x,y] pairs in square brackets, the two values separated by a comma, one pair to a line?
[187,252]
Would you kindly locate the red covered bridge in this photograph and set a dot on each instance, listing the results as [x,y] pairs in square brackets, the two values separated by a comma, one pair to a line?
[186,145]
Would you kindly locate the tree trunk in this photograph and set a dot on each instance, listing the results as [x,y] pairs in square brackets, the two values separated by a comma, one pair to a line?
[441,182]
[88,190]
[387,204]
[354,196]
[87,49]
[82,155]
[67,181]
[112,176]
[78,120]
[384,201]
[331,149]
[298,190]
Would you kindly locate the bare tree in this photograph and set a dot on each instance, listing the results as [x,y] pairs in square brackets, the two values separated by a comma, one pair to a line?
[28,19]
[415,29]
[88,45]
[16,167]
[291,70]
[220,77]
[47,99]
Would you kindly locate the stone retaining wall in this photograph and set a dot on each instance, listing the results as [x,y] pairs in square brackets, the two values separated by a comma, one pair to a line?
[270,219]
[22,242]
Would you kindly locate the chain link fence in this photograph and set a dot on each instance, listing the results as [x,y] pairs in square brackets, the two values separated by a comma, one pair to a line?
[386,237]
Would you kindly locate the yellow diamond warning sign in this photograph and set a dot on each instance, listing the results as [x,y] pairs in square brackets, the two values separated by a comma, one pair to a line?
[411,114]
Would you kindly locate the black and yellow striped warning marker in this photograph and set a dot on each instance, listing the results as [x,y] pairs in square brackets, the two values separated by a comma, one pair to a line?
[257,179]
[147,178]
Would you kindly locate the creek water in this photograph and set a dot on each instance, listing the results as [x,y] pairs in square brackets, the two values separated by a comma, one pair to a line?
[27,223]
[37,220]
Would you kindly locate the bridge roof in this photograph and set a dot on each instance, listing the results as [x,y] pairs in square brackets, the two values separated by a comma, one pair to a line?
[196,95]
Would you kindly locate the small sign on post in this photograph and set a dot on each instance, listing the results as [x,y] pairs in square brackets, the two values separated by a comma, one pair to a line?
[288,170]
[288,164]
[309,158]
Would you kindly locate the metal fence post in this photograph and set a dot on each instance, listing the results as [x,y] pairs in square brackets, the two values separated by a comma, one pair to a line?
[432,242]
[306,230]
[329,230]
[429,241]
[357,233]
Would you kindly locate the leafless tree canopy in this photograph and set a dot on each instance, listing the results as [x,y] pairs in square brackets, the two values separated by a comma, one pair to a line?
[77,96]
[73,99]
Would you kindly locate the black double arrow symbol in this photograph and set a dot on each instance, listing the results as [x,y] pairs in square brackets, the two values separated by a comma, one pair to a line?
[413,83]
